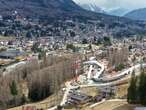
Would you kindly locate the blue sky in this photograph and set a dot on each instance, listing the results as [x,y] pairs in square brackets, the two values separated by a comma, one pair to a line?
[113,4]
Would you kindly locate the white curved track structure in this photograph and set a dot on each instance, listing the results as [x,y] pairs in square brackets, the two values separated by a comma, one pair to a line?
[125,72]
[116,79]
[91,63]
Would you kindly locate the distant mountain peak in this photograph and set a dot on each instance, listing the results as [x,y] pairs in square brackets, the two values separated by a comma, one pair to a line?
[118,11]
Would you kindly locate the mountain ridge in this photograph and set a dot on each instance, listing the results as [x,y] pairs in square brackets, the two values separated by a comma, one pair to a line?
[138,14]
[38,7]
[50,9]
[118,12]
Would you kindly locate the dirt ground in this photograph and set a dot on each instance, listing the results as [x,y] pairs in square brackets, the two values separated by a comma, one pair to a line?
[91,91]
[45,104]
[121,90]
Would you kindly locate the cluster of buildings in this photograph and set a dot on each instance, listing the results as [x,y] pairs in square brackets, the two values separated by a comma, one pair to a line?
[78,98]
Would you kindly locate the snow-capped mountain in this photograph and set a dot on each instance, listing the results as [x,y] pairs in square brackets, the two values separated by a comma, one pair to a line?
[92,7]
[115,12]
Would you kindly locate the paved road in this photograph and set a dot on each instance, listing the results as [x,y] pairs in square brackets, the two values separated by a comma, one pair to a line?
[125,72]
[68,88]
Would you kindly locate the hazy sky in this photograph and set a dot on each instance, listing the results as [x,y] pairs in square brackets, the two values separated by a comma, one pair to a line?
[111,4]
